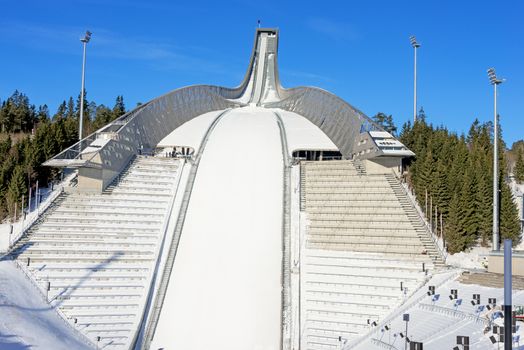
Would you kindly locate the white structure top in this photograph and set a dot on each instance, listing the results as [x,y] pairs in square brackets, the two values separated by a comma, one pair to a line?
[389,144]
[190,133]
[303,134]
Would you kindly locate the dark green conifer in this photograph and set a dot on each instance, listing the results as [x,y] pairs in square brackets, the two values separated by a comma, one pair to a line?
[519,166]
[454,236]
[509,220]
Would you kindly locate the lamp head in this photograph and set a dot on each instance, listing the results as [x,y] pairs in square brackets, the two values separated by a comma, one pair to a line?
[414,42]
[86,37]
[493,79]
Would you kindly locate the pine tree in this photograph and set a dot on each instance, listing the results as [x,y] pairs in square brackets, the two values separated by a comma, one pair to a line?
[382,119]
[103,116]
[16,188]
[468,219]
[424,176]
[509,220]
[484,199]
[61,112]
[519,166]
[439,187]
[50,144]
[59,134]
[421,116]
[119,109]
[71,111]
[457,167]
[453,234]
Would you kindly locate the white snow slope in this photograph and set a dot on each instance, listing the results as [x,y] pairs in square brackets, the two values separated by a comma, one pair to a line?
[225,287]
[26,321]
[190,133]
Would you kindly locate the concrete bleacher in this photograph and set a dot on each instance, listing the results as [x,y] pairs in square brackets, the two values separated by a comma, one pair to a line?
[97,251]
[362,245]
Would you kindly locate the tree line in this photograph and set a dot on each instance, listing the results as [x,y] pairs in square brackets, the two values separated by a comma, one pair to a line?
[42,137]
[518,154]
[456,174]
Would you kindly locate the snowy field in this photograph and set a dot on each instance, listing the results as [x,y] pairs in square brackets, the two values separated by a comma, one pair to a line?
[225,288]
[26,321]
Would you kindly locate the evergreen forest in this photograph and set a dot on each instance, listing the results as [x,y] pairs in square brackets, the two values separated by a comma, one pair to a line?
[29,136]
[452,175]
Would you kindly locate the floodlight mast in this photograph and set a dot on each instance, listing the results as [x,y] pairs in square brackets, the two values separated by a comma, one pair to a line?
[415,45]
[496,235]
[84,41]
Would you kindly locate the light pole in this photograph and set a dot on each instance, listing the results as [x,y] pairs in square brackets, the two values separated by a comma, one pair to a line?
[405,318]
[508,314]
[495,81]
[84,40]
[415,45]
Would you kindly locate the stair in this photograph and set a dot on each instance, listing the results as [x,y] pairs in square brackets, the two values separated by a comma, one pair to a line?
[96,251]
[364,252]
[417,222]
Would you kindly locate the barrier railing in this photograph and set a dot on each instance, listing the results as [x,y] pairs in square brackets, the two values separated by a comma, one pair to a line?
[43,294]
[439,242]
[148,298]
[399,311]
[40,208]
[453,313]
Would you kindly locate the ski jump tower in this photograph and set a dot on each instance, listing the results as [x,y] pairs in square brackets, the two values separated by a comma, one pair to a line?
[246,239]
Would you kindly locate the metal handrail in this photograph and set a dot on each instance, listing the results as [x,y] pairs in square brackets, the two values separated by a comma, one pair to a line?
[154,273]
[452,312]
[40,210]
[438,242]
[434,238]
[286,238]
[59,312]
[399,311]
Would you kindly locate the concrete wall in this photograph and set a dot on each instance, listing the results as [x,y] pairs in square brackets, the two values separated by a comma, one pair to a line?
[383,165]
[496,264]
[90,179]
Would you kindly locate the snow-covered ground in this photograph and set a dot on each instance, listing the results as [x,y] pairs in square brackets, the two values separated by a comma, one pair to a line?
[437,321]
[26,321]
[10,232]
[225,287]
[474,258]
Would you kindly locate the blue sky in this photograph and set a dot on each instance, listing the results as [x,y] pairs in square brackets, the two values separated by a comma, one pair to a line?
[358,50]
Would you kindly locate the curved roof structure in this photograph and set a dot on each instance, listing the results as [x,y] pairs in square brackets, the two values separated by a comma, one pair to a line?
[143,128]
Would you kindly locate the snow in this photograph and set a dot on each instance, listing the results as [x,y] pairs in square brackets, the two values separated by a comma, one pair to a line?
[46,197]
[436,323]
[303,134]
[225,288]
[190,133]
[474,258]
[26,321]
